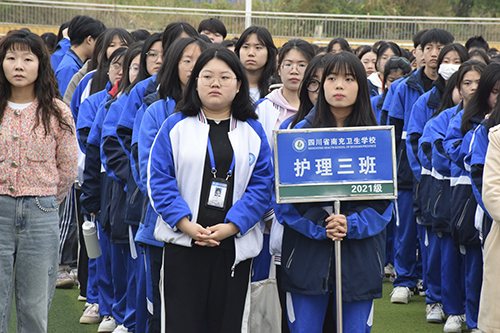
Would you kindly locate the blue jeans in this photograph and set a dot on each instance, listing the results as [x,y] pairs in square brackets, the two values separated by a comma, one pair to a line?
[29,256]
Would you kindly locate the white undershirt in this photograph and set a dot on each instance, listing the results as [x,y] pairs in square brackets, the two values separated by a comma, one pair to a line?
[18,106]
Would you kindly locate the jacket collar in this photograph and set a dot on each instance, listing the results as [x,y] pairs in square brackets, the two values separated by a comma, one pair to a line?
[415,81]
[203,120]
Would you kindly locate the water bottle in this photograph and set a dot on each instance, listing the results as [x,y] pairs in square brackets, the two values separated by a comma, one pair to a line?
[91,240]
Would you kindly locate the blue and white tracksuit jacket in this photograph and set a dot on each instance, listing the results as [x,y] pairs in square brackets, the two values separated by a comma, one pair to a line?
[463,201]
[475,162]
[150,123]
[175,172]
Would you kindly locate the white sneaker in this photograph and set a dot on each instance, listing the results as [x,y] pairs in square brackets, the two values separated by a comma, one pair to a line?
[90,314]
[434,313]
[107,325]
[390,272]
[400,294]
[454,324]
[476,330]
[120,329]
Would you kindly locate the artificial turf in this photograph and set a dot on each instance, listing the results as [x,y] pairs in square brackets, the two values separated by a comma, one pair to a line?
[388,318]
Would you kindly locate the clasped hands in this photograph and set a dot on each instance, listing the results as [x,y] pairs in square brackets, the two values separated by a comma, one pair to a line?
[336,228]
[210,236]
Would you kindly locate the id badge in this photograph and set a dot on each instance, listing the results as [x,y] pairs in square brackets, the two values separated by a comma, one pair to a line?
[217,195]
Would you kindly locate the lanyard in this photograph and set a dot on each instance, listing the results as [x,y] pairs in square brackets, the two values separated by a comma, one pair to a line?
[212,161]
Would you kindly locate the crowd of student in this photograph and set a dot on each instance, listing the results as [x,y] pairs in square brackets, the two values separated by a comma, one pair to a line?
[174,136]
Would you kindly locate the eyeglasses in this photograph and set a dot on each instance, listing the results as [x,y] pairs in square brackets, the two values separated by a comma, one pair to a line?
[287,66]
[208,80]
[313,86]
[133,70]
[116,66]
[186,64]
[153,55]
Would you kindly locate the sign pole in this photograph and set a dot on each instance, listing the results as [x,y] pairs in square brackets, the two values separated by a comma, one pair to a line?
[338,276]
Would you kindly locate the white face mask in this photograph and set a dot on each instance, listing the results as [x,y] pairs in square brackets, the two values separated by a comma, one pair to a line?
[447,70]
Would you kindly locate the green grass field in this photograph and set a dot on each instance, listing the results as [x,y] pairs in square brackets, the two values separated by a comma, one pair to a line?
[388,318]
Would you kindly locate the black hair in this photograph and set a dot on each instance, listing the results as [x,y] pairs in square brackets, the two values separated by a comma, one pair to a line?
[477,41]
[94,59]
[296,44]
[205,38]
[447,96]
[362,113]
[108,35]
[140,35]
[383,48]
[213,25]
[241,107]
[366,49]
[405,53]
[321,50]
[344,45]
[478,105]
[396,64]
[143,69]
[457,47]
[49,38]
[101,76]
[59,35]
[82,26]
[265,38]
[170,85]
[495,58]
[455,81]
[376,45]
[480,53]
[417,38]
[227,43]
[436,35]
[133,51]
[362,49]
[306,105]
[46,89]
[174,31]
[492,51]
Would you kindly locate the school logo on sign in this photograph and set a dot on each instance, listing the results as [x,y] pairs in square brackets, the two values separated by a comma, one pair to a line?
[299,145]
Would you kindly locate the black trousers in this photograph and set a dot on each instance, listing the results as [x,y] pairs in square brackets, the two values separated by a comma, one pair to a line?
[200,293]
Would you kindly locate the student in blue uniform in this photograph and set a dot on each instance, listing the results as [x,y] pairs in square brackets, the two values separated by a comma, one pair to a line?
[63,44]
[395,68]
[82,31]
[180,60]
[407,230]
[208,248]
[343,101]
[456,145]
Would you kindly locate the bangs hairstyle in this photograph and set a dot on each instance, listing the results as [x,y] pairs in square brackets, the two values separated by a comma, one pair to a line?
[213,25]
[457,47]
[478,105]
[437,36]
[383,48]
[101,76]
[109,35]
[265,38]
[344,45]
[46,88]
[170,85]
[241,107]
[362,112]
[298,44]
[480,53]
[133,51]
[456,80]
[417,38]
[143,70]
[306,105]
[396,64]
